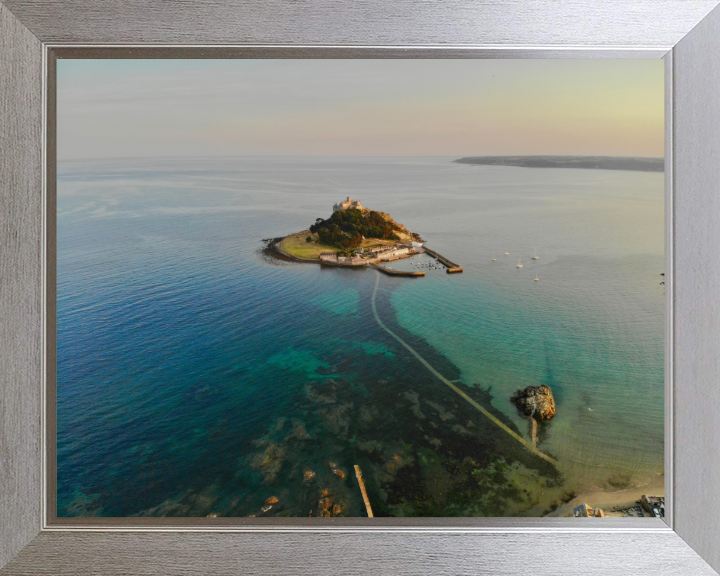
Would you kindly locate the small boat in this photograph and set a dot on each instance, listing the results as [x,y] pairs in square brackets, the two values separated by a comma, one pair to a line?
[519,264]
[494,260]
[536,257]
[506,253]
[537,279]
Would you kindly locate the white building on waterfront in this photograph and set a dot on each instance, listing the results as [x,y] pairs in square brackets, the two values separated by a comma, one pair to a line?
[396,252]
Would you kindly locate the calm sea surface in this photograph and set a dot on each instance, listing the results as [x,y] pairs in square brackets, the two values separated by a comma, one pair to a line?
[197,375]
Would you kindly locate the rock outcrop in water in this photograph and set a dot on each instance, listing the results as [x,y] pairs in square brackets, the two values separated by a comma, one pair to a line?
[535,401]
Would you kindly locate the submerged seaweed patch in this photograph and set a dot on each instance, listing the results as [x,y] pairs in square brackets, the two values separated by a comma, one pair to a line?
[423,450]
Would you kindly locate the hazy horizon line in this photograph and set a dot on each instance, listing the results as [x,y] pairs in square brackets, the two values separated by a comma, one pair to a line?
[357,156]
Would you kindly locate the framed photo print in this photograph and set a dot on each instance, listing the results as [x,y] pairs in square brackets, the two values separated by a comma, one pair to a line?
[281,290]
[310,300]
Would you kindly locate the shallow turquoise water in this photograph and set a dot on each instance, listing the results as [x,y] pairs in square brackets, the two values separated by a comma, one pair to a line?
[197,376]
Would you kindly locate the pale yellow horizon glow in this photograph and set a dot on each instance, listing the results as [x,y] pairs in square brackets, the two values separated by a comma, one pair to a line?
[116,108]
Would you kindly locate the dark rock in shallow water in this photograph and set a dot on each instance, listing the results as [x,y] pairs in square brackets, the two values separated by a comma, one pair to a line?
[535,401]
[329,506]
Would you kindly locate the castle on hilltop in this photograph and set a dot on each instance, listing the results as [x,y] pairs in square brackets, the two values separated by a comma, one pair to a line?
[347,205]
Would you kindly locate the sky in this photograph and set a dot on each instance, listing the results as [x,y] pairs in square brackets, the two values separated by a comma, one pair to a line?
[464,107]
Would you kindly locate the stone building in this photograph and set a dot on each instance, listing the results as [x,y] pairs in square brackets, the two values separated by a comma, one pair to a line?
[347,205]
[395,252]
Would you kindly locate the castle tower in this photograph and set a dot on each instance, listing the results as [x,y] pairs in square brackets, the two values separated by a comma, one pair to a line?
[347,204]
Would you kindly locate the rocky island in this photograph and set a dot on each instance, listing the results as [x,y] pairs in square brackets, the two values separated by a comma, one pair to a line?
[537,403]
[355,236]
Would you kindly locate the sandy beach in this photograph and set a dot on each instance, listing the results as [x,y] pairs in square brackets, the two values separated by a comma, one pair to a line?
[611,500]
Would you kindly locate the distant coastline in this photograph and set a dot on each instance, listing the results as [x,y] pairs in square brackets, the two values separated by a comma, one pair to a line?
[636,164]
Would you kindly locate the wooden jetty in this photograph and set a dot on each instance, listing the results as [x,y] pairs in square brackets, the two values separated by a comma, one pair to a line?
[358,474]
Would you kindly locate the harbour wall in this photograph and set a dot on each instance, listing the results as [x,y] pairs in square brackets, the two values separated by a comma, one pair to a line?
[452,268]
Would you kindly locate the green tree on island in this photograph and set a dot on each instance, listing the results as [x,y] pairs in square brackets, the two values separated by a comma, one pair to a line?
[346,228]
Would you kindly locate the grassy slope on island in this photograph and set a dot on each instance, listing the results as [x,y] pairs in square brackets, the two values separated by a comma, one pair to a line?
[591,162]
[298,246]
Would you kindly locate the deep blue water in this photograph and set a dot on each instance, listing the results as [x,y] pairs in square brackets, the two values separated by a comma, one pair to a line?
[198,376]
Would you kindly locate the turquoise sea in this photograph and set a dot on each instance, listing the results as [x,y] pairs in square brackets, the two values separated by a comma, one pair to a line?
[197,375]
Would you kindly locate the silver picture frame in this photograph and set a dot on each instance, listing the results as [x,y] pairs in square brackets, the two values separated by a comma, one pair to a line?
[685,33]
